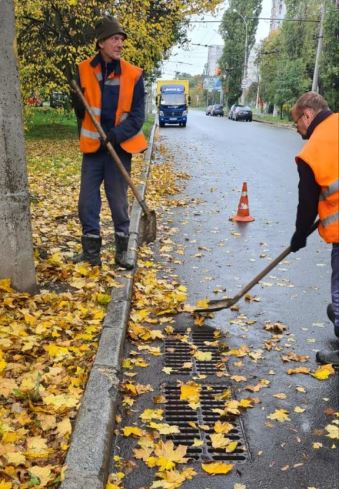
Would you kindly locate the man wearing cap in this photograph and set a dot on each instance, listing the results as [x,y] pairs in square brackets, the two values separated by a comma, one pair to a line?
[114,89]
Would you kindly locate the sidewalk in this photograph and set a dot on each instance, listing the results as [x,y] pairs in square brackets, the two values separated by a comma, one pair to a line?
[88,455]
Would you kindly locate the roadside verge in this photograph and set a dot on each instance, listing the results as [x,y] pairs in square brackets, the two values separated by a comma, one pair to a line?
[274,123]
[87,460]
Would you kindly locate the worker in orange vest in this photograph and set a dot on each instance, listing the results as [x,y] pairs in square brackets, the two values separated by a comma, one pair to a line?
[318,167]
[114,89]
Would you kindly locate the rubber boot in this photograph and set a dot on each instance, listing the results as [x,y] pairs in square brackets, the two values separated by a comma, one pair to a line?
[328,357]
[91,246]
[330,313]
[331,317]
[121,247]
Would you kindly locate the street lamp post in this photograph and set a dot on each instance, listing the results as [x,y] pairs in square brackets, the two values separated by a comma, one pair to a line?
[245,58]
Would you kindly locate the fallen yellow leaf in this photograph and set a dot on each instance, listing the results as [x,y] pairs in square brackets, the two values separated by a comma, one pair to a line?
[167,370]
[132,431]
[323,372]
[43,474]
[5,285]
[231,447]
[333,431]
[216,468]
[281,395]
[190,392]
[15,458]
[164,428]
[218,440]
[280,415]
[149,414]
[299,410]
[64,428]
[5,485]
[203,356]
[167,456]
[202,304]
[222,427]
[298,370]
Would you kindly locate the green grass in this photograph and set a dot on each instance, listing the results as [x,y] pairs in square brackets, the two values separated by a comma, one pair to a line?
[148,125]
[272,118]
[46,123]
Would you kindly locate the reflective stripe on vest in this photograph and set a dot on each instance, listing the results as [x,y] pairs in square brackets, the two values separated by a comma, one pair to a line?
[330,219]
[321,154]
[112,82]
[89,134]
[90,78]
[331,189]
[96,111]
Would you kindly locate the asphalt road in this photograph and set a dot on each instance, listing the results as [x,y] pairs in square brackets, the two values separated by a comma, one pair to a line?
[218,256]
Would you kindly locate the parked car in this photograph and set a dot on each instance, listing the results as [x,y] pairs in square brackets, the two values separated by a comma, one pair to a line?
[217,109]
[208,110]
[240,112]
[59,100]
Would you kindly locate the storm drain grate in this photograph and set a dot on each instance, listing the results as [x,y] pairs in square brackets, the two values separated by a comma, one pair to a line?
[199,424]
[179,353]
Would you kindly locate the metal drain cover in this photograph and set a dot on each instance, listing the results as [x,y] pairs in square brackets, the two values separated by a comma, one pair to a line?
[190,421]
[178,352]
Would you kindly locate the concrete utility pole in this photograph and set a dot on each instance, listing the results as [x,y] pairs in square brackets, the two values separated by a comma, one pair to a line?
[315,82]
[244,80]
[16,249]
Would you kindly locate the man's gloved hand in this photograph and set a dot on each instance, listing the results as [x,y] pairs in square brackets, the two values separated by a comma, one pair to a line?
[110,138]
[298,241]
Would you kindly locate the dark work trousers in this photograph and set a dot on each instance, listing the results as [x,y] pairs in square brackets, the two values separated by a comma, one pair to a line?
[98,168]
[335,284]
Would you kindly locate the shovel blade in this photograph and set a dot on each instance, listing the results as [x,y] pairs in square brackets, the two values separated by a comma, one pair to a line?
[148,227]
[216,305]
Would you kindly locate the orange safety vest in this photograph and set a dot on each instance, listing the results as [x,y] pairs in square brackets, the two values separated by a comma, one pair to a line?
[321,154]
[90,78]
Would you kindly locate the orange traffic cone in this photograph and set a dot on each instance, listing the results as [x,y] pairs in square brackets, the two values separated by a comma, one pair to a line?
[243,214]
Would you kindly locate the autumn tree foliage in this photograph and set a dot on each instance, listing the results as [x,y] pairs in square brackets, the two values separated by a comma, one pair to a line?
[286,57]
[54,36]
[233,33]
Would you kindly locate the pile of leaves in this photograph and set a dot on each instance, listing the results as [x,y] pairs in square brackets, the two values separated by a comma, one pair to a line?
[48,341]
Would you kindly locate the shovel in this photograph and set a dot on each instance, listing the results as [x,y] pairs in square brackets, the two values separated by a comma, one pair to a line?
[217,305]
[148,223]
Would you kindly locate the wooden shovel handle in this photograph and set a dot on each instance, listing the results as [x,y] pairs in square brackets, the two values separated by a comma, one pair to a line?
[270,267]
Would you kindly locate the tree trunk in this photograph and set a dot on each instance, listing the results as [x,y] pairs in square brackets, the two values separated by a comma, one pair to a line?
[16,249]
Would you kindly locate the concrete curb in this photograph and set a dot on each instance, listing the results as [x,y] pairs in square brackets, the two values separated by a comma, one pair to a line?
[273,123]
[89,452]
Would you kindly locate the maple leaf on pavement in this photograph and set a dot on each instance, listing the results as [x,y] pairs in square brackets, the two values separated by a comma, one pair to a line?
[280,415]
[167,456]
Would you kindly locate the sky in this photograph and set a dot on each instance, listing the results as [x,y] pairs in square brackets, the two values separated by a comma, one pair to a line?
[193,59]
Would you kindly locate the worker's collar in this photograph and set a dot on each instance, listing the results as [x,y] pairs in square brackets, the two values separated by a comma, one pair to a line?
[317,120]
[115,64]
